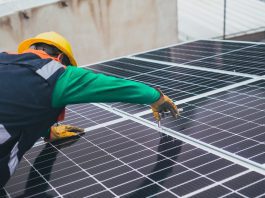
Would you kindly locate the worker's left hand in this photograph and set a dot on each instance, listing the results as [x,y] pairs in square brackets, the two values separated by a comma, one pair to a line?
[63,131]
[163,105]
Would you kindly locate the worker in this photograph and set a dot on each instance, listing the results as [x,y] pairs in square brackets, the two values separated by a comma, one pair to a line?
[40,80]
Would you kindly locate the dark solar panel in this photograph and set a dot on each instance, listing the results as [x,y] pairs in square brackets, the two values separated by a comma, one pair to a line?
[232,120]
[228,56]
[192,51]
[250,60]
[127,160]
[221,155]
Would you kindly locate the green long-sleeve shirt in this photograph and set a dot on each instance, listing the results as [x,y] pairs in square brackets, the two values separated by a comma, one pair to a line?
[77,85]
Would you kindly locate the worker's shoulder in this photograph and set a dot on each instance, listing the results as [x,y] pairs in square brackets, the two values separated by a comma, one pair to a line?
[75,69]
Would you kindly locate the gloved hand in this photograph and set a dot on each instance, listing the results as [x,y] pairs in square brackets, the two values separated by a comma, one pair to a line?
[63,131]
[164,104]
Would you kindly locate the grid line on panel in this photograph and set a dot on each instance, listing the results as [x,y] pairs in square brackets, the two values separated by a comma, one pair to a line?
[166,157]
[211,172]
[43,177]
[232,143]
[216,55]
[249,185]
[215,150]
[223,50]
[104,124]
[140,73]
[127,164]
[242,110]
[84,170]
[87,115]
[232,54]
[231,116]
[216,184]
[6,192]
[243,61]
[137,119]
[240,105]
[225,138]
[191,91]
[186,65]
[235,119]
[82,115]
[240,67]
[209,77]
[89,153]
[73,117]
[207,94]
[84,178]
[188,88]
[73,158]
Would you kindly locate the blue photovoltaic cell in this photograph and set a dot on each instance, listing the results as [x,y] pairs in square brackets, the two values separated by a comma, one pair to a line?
[232,120]
[127,160]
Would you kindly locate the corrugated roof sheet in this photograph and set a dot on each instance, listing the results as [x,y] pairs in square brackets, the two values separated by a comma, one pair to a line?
[204,18]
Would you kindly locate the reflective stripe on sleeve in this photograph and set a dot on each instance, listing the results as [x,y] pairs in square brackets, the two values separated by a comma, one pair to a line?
[4,135]
[13,162]
[49,69]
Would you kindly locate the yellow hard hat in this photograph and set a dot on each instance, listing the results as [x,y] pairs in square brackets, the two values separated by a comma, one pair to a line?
[50,38]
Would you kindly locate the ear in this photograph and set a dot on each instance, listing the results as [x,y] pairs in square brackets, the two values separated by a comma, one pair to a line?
[60,57]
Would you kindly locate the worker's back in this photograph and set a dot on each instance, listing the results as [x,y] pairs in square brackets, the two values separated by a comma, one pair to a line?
[26,85]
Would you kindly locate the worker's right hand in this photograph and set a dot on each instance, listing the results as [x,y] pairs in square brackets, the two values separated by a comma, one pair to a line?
[63,131]
[164,104]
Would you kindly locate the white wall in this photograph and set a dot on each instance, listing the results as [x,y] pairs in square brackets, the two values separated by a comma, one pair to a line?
[97,29]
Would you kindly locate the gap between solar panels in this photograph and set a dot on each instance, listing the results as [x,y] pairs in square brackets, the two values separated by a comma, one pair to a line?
[206,94]
[197,67]
[209,148]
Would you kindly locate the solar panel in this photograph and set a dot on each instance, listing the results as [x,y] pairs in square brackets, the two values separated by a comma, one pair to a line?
[231,120]
[193,51]
[235,57]
[215,149]
[125,159]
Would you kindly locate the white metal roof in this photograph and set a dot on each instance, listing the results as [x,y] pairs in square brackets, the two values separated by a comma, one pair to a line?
[204,18]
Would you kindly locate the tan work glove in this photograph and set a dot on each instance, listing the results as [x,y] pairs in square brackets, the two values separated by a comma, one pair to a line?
[164,104]
[63,131]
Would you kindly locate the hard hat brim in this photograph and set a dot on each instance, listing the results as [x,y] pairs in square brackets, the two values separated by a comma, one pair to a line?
[24,45]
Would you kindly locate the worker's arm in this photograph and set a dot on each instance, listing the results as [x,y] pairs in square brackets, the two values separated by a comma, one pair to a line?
[77,85]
